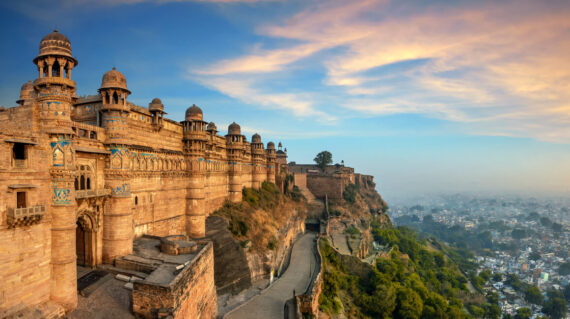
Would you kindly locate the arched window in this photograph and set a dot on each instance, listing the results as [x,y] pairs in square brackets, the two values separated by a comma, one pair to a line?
[88,183]
[136,200]
[55,69]
[76,184]
[115,98]
[82,182]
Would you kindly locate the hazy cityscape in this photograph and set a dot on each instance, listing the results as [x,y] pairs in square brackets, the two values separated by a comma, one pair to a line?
[285,159]
[517,236]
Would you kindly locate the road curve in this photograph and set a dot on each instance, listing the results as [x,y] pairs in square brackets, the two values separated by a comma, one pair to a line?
[270,303]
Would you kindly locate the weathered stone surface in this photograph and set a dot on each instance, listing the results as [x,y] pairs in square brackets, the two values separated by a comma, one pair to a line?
[104,171]
[230,262]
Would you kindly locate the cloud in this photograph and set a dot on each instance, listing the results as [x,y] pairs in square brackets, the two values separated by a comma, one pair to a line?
[246,91]
[501,68]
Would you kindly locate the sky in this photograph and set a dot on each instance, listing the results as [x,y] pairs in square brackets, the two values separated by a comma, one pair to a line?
[427,96]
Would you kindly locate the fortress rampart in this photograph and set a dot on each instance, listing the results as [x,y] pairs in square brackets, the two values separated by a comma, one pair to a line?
[82,177]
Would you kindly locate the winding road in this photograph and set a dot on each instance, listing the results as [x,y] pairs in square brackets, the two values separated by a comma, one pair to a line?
[270,303]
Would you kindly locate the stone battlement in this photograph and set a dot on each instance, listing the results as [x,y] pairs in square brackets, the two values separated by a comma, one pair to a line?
[106,171]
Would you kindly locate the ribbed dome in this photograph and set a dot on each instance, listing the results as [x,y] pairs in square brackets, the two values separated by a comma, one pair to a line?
[26,92]
[211,127]
[55,43]
[114,80]
[256,138]
[234,129]
[271,145]
[194,113]
[156,105]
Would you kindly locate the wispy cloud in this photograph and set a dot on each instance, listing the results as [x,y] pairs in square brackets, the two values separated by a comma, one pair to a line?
[246,91]
[500,67]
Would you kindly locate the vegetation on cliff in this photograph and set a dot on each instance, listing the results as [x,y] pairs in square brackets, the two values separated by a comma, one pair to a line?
[413,279]
[256,220]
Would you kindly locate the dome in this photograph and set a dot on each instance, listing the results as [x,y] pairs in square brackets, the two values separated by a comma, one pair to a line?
[256,138]
[156,105]
[55,43]
[271,145]
[194,113]
[211,127]
[234,129]
[114,80]
[26,92]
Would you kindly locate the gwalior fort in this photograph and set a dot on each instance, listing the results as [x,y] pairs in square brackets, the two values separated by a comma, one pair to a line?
[96,187]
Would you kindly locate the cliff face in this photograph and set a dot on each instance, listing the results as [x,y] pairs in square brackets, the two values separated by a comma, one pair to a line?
[252,239]
[351,217]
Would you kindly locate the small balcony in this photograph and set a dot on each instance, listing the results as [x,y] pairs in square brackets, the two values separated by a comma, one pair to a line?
[88,193]
[20,163]
[25,216]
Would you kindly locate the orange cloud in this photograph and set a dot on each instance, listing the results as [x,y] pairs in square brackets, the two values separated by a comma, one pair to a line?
[501,67]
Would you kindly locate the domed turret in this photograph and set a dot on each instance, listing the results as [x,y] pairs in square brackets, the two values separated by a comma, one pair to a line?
[234,129]
[55,44]
[114,80]
[256,138]
[212,127]
[156,105]
[26,92]
[271,145]
[194,113]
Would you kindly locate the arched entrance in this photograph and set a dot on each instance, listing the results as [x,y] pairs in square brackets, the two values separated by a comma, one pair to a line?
[85,243]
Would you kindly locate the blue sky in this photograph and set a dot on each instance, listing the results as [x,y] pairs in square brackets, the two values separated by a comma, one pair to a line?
[428,97]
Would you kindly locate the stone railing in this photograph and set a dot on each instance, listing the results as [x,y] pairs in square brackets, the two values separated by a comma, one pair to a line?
[20,163]
[92,193]
[308,302]
[25,216]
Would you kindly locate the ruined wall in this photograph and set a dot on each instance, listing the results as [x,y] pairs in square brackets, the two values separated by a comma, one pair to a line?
[192,294]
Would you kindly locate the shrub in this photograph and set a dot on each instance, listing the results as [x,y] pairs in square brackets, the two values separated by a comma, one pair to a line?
[352,230]
[350,192]
[296,194]
[272,244]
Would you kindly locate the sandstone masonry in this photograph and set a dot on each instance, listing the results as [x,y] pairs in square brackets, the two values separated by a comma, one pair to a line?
[82,177]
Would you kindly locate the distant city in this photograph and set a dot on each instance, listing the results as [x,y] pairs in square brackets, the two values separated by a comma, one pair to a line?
[517,243]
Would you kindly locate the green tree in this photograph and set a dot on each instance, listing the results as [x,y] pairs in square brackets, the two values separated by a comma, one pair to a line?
[556,227]
[382,303]
[492,311]
[323,159]
[555,308]
[532,294]
[564,269]
[545,221]
[485,274]
[435,306]
[493,297]
[497,277]
[514,281]
[409,304]
[534,256]
[476,311]
[523,313]
[567,292]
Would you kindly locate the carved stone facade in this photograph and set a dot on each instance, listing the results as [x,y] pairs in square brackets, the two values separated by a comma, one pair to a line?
[81,177]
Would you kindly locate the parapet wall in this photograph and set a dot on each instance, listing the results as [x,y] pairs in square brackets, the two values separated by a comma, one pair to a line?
[322,185]
[308,303]
[192,293]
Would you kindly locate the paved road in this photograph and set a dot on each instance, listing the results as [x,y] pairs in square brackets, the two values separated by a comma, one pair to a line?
[269,304]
